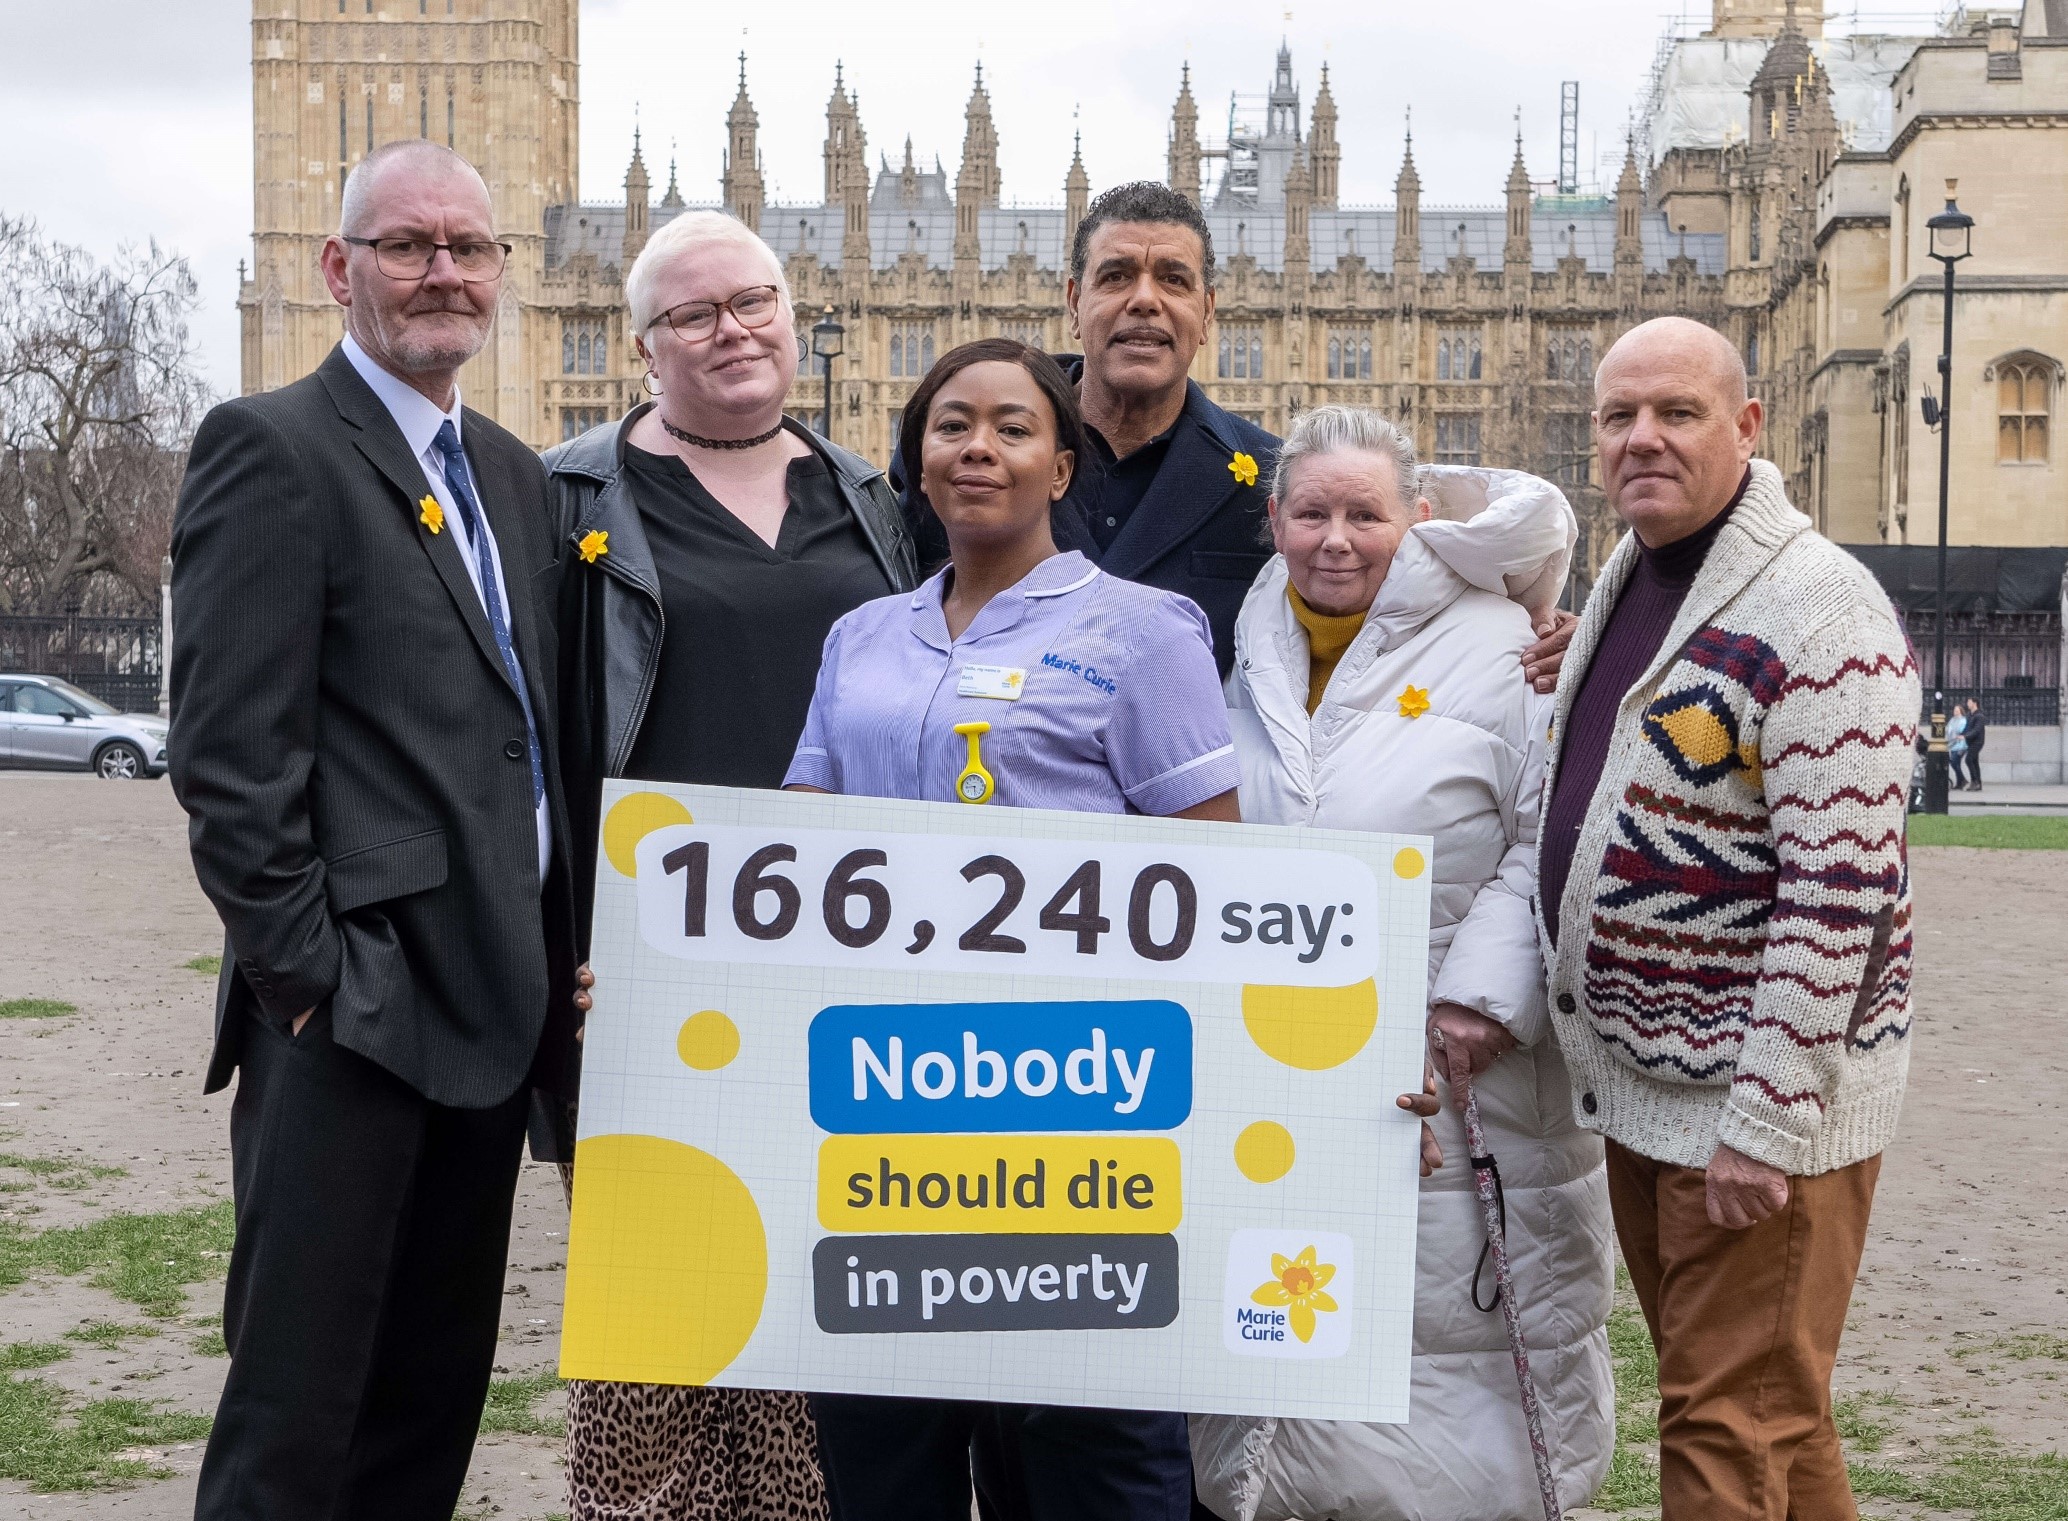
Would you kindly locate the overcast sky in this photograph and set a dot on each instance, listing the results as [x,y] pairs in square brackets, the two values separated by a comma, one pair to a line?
[126,120]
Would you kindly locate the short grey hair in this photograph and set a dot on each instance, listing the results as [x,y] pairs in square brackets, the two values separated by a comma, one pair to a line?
[1337,429]
[356,207]
[689,230]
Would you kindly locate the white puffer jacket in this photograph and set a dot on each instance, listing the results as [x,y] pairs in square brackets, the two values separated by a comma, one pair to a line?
[1468,772]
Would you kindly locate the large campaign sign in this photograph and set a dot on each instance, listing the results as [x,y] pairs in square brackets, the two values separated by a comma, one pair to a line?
[983,1103]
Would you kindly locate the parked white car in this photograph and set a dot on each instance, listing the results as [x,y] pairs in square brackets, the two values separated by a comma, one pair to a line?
[51,725]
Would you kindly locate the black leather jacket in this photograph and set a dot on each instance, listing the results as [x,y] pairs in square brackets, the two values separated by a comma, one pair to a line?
[610,621]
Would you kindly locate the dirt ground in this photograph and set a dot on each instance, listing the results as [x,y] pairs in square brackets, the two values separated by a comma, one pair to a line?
[1966,1268]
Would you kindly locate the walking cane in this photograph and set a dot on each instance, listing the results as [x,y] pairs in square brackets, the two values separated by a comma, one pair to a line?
[1488,1178]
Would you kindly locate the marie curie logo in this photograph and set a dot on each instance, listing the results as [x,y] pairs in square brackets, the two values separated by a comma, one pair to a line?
[1287,1294]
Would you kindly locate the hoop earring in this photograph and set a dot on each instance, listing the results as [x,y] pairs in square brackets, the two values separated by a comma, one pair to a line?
[650,383]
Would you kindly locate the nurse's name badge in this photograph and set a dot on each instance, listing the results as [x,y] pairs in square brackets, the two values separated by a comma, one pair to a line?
[1003,682]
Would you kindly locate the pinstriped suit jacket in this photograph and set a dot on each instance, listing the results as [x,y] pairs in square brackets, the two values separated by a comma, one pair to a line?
[351,752]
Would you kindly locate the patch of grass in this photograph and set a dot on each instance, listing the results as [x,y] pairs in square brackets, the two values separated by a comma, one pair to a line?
[21,1356]
[51,1444]
[1633,1475]
[211,965]
[211,1344]
[146,1259]
[1983,832]
[56,1172]
[2021,1347]
[1976,1473]
[107,1334]
[35,1008]
[509,1408]
[1856,1427]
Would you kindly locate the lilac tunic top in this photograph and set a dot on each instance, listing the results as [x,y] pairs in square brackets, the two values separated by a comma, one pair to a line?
[1119,707]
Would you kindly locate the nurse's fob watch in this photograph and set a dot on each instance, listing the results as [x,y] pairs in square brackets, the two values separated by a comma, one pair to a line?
[974,785]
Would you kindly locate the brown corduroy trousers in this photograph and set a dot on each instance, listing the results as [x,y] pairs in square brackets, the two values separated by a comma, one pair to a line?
[1747,1325]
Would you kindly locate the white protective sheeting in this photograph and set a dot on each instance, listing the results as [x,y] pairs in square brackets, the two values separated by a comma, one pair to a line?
[1701,101]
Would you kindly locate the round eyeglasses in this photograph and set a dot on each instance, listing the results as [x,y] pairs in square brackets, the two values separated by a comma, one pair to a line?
[411,258]
[695,321]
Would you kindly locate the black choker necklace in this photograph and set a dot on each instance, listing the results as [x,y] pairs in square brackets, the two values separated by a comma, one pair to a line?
[720,443]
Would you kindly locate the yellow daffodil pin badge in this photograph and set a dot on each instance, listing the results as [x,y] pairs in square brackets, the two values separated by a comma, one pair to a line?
[1414,701]
[1296,1285]
[431,515]
[594,545]
[1244,468]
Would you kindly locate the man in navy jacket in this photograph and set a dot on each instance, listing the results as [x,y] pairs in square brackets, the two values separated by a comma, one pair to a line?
[1173,495]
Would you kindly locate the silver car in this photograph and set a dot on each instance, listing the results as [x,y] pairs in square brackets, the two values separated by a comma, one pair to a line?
[51,725]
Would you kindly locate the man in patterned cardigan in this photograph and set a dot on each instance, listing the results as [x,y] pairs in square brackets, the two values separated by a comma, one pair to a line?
[1726,907]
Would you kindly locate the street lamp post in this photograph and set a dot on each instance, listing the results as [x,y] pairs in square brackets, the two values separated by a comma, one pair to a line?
[826,336]
[1952,237]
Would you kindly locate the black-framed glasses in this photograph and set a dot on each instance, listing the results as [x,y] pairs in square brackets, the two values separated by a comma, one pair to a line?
[755,306]
[411,258]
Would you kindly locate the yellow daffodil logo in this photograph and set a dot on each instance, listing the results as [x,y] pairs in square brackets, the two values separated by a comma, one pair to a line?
[1297,1286]
[1243,468]
[594,545]
[1414,702]
[432,516]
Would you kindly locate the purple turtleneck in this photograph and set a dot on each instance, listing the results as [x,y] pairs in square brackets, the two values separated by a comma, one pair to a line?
[1636,628]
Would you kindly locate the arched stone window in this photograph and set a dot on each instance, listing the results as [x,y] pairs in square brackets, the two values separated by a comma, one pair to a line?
[2024,407]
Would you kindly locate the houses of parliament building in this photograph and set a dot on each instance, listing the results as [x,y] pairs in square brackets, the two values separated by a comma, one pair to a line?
[1777,188]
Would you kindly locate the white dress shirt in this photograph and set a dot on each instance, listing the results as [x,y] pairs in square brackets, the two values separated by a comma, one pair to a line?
[420,419]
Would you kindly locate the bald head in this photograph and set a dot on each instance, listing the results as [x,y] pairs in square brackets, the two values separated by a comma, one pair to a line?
[1681,344]
[1675,426]
[414,163]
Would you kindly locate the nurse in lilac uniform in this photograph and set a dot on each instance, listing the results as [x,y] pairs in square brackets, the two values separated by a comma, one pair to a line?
[1023,677]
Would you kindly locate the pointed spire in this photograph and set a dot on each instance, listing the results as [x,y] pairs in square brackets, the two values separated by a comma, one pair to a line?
[1630,209]
[1408,180]
[671,198]
[742,184]
[636,200]
[1184,158]
[1327,152]
[1076,194]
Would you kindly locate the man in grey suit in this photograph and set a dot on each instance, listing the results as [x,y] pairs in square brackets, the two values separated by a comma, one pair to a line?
[362,734]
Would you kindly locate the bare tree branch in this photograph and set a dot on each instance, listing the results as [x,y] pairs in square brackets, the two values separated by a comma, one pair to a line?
[99,396]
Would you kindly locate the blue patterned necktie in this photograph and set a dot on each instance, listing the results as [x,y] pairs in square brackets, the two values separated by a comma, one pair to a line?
[460,483]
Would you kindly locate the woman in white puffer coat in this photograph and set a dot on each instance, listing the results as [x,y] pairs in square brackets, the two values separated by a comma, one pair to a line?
[1378,686]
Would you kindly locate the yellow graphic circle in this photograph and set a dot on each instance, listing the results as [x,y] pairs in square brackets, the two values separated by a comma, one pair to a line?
[708,1040]
[1409,862]
[631,819]
[1311,1028]
[667,1263]
[1264,1151]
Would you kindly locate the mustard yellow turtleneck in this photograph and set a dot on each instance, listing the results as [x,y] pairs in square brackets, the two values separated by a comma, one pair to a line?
[1328,636]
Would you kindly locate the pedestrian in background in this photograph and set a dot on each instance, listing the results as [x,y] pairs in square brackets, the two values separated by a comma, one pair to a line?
[1976,733]
[362,733]
[707,544]
[1725,891]
[1956,748]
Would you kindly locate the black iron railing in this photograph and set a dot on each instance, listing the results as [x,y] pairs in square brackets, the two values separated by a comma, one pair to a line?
[116,659]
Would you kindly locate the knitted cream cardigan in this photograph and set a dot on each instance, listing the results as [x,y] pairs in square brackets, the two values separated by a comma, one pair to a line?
[1734,962]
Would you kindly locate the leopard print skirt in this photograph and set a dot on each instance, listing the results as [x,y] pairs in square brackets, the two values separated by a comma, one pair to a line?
[664,1452]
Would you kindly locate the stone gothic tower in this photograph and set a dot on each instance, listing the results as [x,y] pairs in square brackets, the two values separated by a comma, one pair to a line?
[847,176]
[1407,211]
[980,144]
[1515,253]
[638,201]
[497,82]
[1323,152]
[1183,175]
[742,185]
